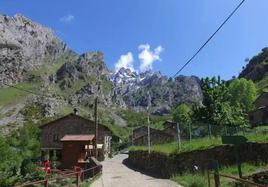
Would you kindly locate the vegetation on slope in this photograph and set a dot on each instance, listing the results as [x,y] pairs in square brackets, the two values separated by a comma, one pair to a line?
[10,95]
[17,153]
[262,85]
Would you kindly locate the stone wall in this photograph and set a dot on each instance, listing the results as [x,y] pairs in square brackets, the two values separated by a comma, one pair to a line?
[167,165]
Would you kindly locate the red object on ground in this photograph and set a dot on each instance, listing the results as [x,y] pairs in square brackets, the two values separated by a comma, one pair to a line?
[46,166]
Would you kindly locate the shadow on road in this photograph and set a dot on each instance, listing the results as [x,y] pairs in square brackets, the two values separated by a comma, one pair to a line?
[151,174]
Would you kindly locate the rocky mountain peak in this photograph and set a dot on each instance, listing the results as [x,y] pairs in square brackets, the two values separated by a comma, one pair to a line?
[123,76]
[23,46]
[92,57]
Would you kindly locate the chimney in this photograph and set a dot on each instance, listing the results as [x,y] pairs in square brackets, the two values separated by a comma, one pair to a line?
[75,111]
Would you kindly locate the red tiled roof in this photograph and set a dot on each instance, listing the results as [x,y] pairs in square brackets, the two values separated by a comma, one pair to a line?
[79,137]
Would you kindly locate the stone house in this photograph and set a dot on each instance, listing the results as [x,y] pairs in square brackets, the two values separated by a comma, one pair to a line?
[53,132]
[140,136]
[170,127]
[260,115]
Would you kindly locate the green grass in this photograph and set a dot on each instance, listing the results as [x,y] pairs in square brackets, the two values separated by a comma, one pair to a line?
[77,85]
[200,143]
[168,148]
[11,95]
[201,180]
[51,66]
[121,132]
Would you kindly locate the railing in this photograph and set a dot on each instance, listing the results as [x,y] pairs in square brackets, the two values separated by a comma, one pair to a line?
[79,176]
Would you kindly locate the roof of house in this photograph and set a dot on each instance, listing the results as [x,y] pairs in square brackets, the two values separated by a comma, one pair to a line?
[79,117]
[78,137]
[264,94]
[152,131]
[67,116]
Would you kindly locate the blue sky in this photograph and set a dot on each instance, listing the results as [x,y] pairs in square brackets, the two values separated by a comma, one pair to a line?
[173,29]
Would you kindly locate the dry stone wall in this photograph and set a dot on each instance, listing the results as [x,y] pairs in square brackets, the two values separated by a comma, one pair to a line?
[167,165]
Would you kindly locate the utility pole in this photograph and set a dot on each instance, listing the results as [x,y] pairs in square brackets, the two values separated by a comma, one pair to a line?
[149,138]
[132,137]
[179,136]
[148,121]
[96,125]
[96,116]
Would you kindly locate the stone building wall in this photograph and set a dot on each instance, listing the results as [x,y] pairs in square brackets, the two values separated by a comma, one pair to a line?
[259,117]
[156,137]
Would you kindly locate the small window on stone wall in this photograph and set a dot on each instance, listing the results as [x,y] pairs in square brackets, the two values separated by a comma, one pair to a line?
[55,137]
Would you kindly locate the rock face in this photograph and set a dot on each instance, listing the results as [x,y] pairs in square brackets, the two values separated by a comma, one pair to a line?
[69,78]
[162,94]
[88,76]
[257,68]
[23,46]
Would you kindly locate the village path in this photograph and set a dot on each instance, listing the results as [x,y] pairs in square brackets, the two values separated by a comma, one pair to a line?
[116,174]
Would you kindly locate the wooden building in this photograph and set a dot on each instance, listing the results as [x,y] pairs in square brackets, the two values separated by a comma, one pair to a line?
[76,149]
[55,134]
[260,115]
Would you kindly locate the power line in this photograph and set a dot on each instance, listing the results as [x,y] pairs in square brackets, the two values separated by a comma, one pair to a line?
[42,95]
[207,41]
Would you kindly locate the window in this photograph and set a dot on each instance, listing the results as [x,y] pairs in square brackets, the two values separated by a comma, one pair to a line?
[55,137]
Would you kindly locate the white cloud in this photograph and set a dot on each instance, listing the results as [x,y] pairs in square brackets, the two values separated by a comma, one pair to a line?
[67,19]
[125,61]
[148,57]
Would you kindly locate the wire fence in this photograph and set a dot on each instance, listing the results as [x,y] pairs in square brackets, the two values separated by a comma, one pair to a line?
[66,178]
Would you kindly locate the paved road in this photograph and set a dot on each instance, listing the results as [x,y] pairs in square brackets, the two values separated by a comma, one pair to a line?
[116,174]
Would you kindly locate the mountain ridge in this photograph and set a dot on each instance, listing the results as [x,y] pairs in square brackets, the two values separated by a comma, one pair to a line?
[47,65]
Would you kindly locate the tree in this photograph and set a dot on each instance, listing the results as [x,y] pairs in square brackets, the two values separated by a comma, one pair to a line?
[215,93]
[243,92]
[217,106]
[9,165]
[16,154]
[182,115]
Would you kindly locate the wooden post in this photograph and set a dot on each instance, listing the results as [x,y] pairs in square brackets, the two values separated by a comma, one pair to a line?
[216,173]
[208,178]
[237,155]
[149,133]
[77,179]
[148,121]
[132,138]
[190,132]
[83,176]
[209,131]
[46,183]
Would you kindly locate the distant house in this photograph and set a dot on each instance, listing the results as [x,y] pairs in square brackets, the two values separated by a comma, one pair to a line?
[170,127]
[168,134]
[73,129]
[260,115]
